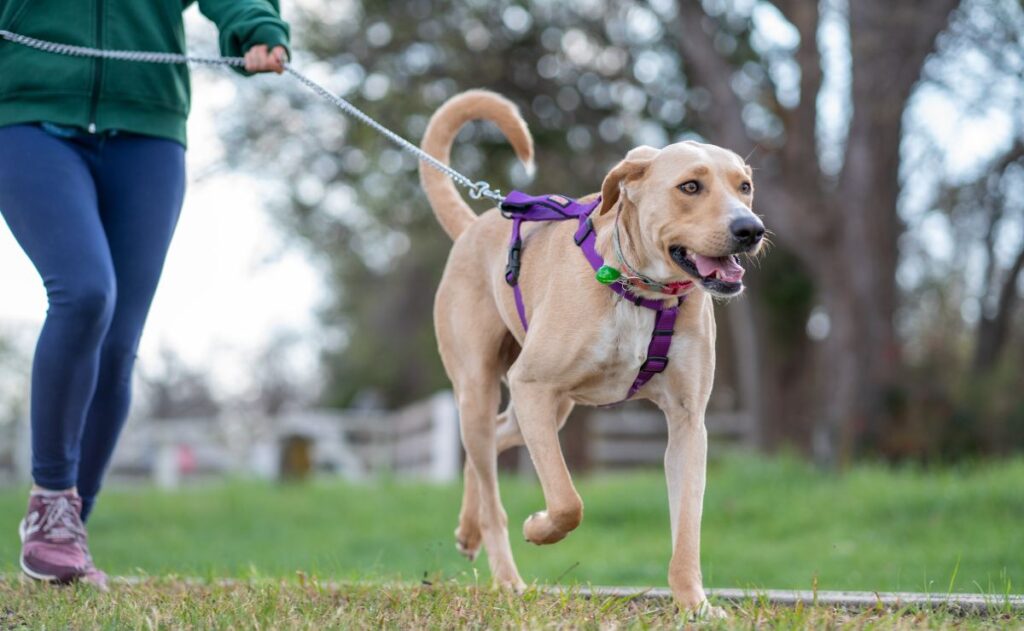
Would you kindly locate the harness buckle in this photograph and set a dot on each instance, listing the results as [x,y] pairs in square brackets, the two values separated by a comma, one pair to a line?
[582,236]
[515,252]
[662,360]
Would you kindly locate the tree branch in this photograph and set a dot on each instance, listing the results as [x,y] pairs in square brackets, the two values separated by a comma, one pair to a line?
[801,122]
[794,211]
[706,68]
[992,332]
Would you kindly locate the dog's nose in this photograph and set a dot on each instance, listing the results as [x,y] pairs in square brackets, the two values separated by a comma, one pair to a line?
[748,231]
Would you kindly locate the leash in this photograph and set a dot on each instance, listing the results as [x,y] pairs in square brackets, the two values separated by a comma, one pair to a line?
[477,190]
[519,207]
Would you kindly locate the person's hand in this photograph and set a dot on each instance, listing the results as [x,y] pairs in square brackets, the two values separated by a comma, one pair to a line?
[259,60]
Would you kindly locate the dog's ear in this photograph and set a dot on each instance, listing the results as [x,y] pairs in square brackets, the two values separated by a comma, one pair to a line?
[633,166]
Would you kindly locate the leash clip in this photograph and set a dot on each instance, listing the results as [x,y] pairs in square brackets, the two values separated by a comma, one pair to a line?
[482,189]
[515,253]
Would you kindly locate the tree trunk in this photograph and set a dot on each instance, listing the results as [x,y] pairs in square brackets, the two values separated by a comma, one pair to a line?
[844,234]
[994,330]
[889,43]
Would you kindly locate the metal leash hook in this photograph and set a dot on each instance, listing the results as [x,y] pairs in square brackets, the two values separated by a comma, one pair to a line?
[477,190]
[481,189]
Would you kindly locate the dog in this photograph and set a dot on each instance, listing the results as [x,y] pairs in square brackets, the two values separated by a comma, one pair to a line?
[676,218]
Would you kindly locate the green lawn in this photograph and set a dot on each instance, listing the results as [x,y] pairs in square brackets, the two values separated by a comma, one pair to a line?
[767,523]
[295,604]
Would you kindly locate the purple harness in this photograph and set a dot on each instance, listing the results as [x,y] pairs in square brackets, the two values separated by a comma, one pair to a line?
[520,207]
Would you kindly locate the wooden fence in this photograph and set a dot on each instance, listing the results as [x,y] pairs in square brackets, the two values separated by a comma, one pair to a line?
[631,437]
[418,442]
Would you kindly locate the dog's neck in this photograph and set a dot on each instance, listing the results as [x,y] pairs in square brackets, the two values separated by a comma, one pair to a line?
[632,250]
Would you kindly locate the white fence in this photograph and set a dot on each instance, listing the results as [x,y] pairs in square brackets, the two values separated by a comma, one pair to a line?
[419,442]
[630,437]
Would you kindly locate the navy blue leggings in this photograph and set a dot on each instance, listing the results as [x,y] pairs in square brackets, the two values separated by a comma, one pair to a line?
[95,214]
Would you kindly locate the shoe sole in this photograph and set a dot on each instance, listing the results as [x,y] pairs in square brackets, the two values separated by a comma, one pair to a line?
[46,578]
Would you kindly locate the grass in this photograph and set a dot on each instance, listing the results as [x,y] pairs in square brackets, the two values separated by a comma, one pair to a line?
[767,523]
[308,604]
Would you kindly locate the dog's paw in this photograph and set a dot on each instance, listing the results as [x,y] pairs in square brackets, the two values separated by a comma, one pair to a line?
[706,612]
[693,602]
[510,582]
[467,542]
[540,529]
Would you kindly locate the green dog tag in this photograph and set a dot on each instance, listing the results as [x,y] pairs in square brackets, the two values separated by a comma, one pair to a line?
[607,275]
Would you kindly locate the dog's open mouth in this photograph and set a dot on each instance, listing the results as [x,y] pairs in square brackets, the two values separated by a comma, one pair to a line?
[721,275]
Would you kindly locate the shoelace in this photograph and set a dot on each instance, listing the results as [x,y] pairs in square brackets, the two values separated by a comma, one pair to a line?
[60,522]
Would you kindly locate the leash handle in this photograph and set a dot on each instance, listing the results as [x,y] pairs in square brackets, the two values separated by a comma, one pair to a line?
[477,190]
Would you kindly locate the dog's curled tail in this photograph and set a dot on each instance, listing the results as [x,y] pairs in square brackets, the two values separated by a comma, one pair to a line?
[451,210]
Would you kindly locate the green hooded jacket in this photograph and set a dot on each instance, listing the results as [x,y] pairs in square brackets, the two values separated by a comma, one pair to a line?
[102,95]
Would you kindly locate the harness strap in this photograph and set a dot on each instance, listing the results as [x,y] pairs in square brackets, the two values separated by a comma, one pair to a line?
[657,349]
[664,319]
[520,207]
[586,238]
[515,253]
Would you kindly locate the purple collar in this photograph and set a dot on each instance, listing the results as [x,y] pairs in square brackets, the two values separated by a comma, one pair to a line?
[520,207]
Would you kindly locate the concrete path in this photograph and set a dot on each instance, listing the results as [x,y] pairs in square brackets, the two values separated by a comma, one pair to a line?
[852,600]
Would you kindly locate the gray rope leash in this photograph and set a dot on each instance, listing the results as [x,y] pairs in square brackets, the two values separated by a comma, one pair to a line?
[477,189]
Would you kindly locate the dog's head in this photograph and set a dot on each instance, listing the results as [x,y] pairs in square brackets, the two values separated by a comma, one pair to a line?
[688,211]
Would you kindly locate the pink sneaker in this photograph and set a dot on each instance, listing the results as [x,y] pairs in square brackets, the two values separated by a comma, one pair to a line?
[51,536]
[93,575]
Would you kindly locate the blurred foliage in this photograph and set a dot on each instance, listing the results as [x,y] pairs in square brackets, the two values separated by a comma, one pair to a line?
[595,78]
[172,389]
[789,296]
[962,322]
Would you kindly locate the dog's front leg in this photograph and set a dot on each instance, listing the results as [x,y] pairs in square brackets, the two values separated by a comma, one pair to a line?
[541,412]
[685,464]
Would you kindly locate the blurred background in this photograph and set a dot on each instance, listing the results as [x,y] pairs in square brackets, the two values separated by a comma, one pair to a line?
[877,355]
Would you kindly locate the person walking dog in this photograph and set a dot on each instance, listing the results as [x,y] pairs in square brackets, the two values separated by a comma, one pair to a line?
[92,179]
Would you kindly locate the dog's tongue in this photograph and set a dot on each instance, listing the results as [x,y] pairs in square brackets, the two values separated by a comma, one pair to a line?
[723,267]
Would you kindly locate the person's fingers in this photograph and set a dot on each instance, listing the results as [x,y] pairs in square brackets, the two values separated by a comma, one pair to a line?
[259,60]
[280,57]
[256,59]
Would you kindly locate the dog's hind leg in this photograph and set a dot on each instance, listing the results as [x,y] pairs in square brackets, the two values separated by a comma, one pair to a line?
[468,536]
[477,405]
[509,434]
[541,412]
[508,430]
[473,342]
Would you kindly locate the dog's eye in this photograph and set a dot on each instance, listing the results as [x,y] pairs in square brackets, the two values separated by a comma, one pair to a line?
[745,188]
[690,188]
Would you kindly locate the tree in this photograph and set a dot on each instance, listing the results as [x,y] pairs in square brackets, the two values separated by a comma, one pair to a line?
[173,389]
[841,225]
[981,67]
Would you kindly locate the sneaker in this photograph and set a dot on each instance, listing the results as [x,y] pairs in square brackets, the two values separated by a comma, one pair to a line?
[50,538]
[93,575]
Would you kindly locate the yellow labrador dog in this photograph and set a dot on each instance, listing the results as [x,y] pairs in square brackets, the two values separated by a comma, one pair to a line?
[672,221]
